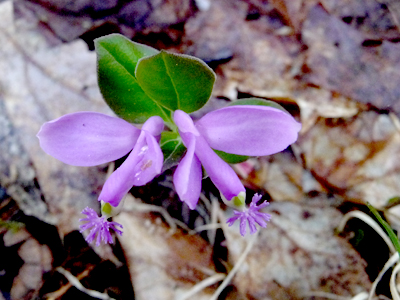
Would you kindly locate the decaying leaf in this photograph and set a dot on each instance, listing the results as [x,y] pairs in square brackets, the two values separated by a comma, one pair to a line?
[338,61]
[356,158]
[267,65]
[40,84]
[377,20]
[315,54]
[298,255]
[163,266]
[17,174]
[25,261]
[282,177]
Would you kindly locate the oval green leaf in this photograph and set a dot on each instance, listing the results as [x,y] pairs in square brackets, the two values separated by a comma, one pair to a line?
[117,58]
[175,81]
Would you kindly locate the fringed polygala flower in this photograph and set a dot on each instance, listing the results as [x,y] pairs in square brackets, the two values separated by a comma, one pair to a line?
[251,130]
[251,215]
[89,139]
[99,227]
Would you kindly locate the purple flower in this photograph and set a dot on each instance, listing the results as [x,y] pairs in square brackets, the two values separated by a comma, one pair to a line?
[99,227]
[89,139]
[251,130]
[251,215]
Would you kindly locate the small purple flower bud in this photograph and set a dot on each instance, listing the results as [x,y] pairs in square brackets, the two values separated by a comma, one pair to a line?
[99,227]
[252,215]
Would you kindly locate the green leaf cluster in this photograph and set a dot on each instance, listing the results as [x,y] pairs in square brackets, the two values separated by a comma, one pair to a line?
[138,82]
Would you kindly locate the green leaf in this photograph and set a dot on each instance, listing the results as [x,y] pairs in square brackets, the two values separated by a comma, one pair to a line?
[258,101]
[117,58]
[172,148]
[138,82]
[389,230]
[12,225]
[392,202]
[231,158]
[175,81]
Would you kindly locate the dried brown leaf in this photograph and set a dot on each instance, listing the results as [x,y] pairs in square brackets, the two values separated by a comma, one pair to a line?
[297,254]
[356,158]
[377,20]
[264,64]
[38,84]
[163,266]
[339,62]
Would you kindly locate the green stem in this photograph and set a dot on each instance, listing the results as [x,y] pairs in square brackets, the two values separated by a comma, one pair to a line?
[393,237]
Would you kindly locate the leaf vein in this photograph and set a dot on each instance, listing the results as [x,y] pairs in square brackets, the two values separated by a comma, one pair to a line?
[135,80]
[172,82]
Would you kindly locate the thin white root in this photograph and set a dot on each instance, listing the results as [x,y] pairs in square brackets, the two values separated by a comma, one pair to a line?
[360,296]
[371,222]
[206,201]
[392,260]
[232,273]
[76,283]
[205,227]
[392,285]
[202,285]
[215,208]
[135,205]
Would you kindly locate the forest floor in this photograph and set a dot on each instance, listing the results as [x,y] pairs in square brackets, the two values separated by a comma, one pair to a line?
[333,64]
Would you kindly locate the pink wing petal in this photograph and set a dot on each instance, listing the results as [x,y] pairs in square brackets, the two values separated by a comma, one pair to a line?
[188,175]
[220,173]
[184,122]
[154,125]
[252,130]
[87,138]
[140,167]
